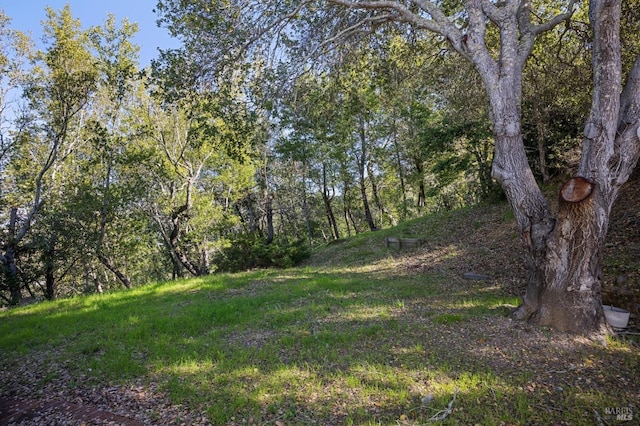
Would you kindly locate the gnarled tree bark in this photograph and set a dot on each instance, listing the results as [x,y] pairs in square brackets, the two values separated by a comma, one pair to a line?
[568,297]
[564,250]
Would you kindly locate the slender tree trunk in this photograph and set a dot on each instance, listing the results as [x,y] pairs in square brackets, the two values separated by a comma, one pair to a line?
[9,260]
[365,204]
[251,212]
[541,119]
[11,274]
[422,193]
[481,152]
[403,188]
[205,263]
[104,219]
[181,256]
[362,161]
[326,199]
[307,213]
[542,154]
[331,219]
[376,197]
[268,207]
[345,213]
[50,281]
[110,265]
[333,224]
[346,207]
[91,280]
[171,238]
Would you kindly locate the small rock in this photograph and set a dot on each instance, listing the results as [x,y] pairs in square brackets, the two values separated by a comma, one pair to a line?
[622,279]
[427,399]
[477,277]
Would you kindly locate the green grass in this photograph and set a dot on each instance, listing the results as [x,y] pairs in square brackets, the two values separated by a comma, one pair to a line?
[359,343]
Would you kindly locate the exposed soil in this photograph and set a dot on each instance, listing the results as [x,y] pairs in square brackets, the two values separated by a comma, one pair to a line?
[59,411]
[66,401]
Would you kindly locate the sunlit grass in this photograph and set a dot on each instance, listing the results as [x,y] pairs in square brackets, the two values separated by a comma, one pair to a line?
[360,342]
[294,345]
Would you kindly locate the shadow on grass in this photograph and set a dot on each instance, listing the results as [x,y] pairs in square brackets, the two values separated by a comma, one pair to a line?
[304,346]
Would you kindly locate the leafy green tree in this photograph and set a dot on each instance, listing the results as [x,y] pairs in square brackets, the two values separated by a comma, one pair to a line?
[564,290]
[15,50]
[309,118]
[497,38]
[110,154]
[196,179]
[60,85]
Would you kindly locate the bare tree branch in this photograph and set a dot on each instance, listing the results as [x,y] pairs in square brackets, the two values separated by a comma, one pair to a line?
[497,14]
[630,97]
[436,24]
[551,23]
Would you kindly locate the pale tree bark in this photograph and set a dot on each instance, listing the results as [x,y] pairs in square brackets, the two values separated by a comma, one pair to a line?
[564,251]
[569,295]
[59,149]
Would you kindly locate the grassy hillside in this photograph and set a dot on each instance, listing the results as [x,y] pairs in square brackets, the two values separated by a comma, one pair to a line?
[362,334]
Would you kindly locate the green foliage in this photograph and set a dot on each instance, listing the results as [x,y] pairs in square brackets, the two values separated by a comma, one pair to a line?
[249,251]
[157,170]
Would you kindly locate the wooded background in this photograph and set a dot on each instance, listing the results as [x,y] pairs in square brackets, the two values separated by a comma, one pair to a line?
[250,155]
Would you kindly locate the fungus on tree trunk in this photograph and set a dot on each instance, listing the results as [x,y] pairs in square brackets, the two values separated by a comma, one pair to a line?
[576,189]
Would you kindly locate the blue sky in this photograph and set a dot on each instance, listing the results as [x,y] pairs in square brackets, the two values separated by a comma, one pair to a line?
[27,16]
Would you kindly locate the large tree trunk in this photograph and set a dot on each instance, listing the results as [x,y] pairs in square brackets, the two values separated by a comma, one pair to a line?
[570,299]
[565,293]
[565,253]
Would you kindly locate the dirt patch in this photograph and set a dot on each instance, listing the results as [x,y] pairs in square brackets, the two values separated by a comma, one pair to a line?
[39,393]
[57,412]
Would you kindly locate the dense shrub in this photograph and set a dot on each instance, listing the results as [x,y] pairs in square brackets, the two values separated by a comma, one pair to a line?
[249,251]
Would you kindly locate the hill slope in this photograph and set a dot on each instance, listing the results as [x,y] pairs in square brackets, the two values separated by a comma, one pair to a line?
[484,240]
[362,334]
